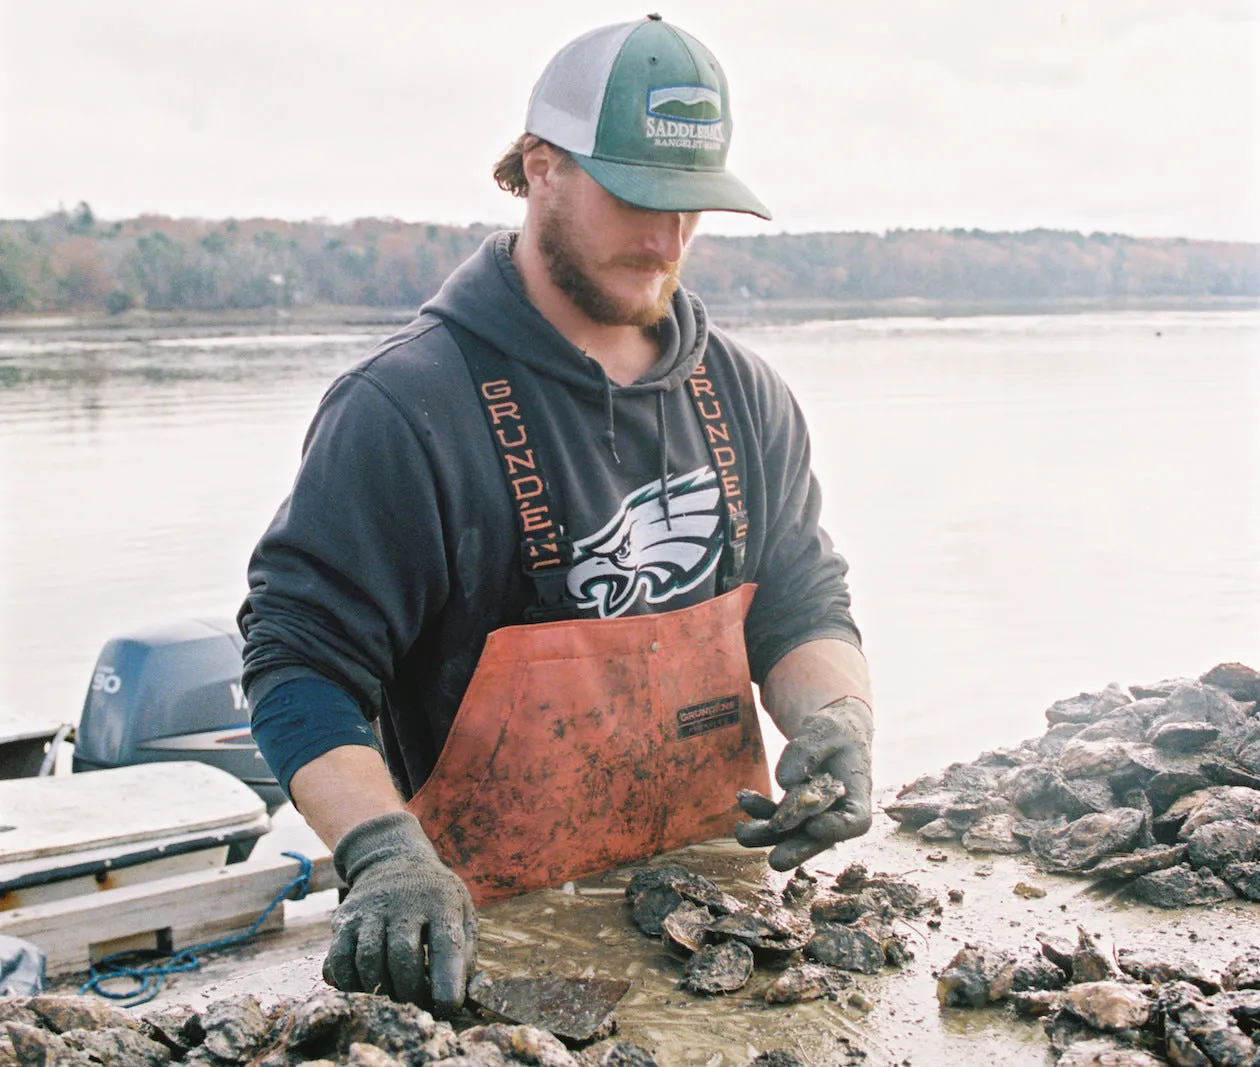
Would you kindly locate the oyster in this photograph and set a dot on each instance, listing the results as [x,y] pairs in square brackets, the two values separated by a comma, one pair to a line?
[1218,844]
[1180,887]
[846,947]
[1109,1005]
[768,932]
[686,928]
[573,1009]
[967,979]
[720,968]
[806,981]
[802,802]
[1159,969]
[652,907]
[1143,861]
[1088,964]
[1084,842]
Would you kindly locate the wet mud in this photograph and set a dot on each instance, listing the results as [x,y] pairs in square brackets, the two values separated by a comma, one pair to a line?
[965,842]
[885,1018]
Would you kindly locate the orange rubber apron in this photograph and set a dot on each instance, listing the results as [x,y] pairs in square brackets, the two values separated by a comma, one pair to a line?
[582,745]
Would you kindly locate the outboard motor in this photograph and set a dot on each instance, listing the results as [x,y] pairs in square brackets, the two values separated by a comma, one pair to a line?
[173,692]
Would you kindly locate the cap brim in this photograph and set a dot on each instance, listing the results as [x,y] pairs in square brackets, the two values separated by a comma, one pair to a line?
[663,189]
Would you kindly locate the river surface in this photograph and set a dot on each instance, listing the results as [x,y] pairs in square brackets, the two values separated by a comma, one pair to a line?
[1031,506]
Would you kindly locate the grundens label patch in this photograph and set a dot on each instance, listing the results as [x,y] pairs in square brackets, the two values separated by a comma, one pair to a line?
[711,715]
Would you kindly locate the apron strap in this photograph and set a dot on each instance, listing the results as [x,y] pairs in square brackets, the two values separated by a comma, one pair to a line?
[724,451]
[546,548]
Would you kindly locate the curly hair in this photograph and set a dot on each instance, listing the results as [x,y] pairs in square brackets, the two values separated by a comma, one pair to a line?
[509,171]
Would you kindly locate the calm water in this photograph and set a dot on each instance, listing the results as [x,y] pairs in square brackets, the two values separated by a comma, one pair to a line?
[1032,506]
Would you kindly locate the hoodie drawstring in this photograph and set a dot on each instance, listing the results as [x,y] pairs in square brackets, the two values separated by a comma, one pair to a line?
[609,436]
[663,437]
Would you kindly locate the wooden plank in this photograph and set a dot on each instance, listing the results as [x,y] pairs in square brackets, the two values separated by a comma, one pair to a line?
[67,930]
[72,888]
[119,857]
[72,813]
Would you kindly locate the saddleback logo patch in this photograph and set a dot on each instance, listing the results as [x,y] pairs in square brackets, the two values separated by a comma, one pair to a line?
[711,715]
[637,554]
[685,116]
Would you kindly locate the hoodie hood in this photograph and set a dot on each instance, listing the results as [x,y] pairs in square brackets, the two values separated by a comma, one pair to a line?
[485,296]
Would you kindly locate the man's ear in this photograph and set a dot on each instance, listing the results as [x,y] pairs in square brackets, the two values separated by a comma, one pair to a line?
[540,163]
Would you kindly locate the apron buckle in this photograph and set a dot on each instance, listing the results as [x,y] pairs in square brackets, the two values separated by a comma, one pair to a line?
[545,562]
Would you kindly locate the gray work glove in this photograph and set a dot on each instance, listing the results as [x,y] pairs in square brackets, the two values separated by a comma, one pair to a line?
[402,900]
[835,739]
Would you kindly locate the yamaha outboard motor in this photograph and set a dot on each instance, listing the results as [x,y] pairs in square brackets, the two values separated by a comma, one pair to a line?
[173,692]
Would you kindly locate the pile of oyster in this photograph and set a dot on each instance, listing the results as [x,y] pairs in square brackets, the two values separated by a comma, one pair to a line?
[1142,1010]
[846,927]
[1156,783]
[326,1029]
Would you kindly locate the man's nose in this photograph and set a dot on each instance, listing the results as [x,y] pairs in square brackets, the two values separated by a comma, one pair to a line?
[667,238]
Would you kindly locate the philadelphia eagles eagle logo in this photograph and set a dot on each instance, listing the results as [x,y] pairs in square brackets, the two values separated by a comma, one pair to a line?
[638,554]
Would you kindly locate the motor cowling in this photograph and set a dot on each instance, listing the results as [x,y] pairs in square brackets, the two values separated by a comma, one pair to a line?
[172,692]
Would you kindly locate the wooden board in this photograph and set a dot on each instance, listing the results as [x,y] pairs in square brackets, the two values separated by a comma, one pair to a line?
[67,814]
[76,886]
[112,860]
[181,910]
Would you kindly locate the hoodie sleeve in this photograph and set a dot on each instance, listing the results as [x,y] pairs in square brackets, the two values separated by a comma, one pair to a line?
[802,593]
[354,560]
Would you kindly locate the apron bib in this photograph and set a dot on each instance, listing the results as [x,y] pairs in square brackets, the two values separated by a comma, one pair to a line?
[586,744]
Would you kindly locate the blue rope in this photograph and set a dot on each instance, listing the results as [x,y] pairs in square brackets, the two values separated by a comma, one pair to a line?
[147,980]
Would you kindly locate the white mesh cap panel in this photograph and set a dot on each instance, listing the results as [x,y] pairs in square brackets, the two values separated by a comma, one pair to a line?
[565,105]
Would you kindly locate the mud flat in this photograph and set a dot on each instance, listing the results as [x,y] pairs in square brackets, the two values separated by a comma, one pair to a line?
[589,933]
[1029,846]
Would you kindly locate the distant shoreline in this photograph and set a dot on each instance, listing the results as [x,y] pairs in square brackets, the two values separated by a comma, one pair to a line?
[329,318]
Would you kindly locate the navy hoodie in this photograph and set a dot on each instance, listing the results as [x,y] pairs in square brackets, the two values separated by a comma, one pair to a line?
[398,550]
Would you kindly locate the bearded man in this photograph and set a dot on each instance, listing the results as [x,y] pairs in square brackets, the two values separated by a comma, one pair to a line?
[545,538]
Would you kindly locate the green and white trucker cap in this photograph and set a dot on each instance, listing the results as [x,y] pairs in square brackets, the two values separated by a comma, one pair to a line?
[644,109]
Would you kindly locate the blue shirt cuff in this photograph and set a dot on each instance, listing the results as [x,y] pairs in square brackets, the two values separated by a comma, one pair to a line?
[301,719]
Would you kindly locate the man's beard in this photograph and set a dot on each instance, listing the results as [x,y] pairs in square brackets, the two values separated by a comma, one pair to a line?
[567,273]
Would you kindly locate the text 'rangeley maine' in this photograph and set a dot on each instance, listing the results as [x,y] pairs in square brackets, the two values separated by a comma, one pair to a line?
[685,116]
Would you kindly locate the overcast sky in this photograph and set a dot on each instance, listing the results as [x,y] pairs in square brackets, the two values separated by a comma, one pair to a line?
[1135,116]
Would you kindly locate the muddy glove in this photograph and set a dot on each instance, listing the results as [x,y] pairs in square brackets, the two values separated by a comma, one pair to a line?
[402,900]
[835,739]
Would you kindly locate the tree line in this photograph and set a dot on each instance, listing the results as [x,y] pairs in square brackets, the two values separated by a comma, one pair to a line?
[69,261]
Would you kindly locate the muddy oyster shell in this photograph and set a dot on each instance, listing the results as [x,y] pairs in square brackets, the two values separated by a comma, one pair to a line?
[1109,1005]
[1084,842]
[804,982]
[1218,844]
[1143,861]
[1230,802]
[1160,969]
[652,907]
[687,884]
[1088,964]
[993,833]
[720,968]
[1242,972]
[1239,681]
[1196,1029]
[846,947]
[686,928]
[1244,878]
[1180,887]
[771,932]
[802,802]
[967,980]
